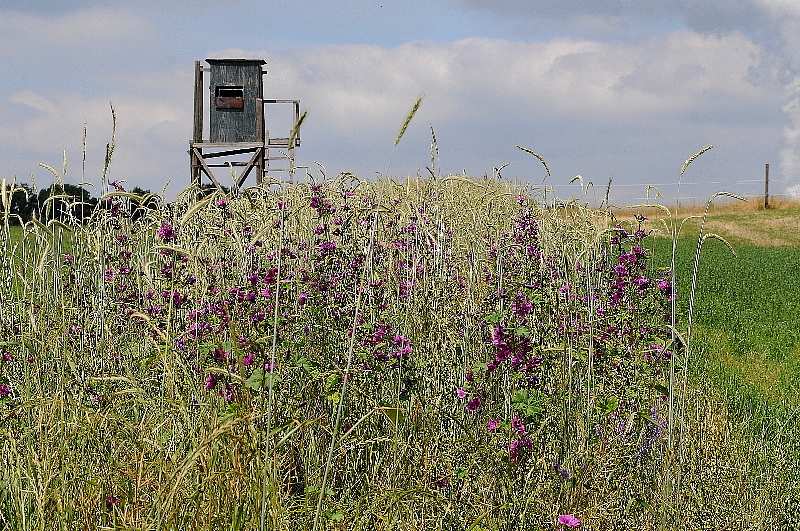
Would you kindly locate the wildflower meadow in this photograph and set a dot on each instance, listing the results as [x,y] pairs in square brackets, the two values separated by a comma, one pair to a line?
[445,353]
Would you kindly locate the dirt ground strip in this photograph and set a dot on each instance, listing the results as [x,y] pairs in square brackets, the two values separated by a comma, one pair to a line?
[747,223]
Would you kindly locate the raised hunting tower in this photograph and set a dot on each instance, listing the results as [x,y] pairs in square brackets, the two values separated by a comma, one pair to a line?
[237,137]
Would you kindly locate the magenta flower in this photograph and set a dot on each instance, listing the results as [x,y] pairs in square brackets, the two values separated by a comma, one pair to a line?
[461,393]
[568,520]
[220,354]
[493,424]
[474,404]
[518,446]
[111,502]
[166,232]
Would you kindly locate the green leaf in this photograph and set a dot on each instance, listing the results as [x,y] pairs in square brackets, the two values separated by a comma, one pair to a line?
[333,397]
[334,516]
[314,491]
[395,414]
[305,364]
[260,379]
[637,504]
[256,380]
[520,397]
[528,404]
[332,381]
[522,331]
[648,418]
[493,318]
[660,388]
[607,405]
[146,362]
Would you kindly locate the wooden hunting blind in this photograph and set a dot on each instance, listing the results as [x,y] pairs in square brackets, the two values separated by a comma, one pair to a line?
[237,137]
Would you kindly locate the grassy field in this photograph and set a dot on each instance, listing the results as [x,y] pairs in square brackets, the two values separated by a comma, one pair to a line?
[447,354]
[747,305]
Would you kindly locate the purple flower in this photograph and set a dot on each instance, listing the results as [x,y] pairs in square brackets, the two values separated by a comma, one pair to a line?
[111,501]
[493,424]
[563,472]
[211,381]
[166,232]
[441,483]
[474,404]
[227,393]
[4,390]
[665,286]
[461,393]
[220,354]
[517,446]
[568,520]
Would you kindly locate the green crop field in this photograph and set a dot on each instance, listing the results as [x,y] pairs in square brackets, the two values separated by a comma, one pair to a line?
[444,354]
[747,304]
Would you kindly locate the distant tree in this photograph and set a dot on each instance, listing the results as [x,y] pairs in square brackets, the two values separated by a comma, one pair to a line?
[23,202]
[65,201]
[208,189]
[149,202]
[140,191]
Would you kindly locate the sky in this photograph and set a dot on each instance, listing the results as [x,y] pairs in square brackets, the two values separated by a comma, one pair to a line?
[620,90]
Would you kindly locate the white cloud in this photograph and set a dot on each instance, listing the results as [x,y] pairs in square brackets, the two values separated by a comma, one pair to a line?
[153,130]
[643,108]
[360,86]
[75,32]
[786,19]
[780,8]
[577,98]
